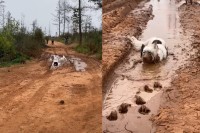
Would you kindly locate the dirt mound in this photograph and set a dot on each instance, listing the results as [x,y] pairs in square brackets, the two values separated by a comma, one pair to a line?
[180,110]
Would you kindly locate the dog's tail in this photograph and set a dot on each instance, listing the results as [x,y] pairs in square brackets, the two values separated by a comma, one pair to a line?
[135,43]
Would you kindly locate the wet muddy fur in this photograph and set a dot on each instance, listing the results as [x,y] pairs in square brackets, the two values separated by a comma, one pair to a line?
[190,1]
[149,57]
[142,49]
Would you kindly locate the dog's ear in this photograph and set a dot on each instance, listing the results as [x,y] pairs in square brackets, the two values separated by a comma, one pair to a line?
[157,42]
[141,51]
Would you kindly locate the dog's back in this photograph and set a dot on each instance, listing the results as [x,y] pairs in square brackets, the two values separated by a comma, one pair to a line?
[156,40]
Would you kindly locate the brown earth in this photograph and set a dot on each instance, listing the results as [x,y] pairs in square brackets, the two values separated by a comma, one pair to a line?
[30,96]
[180,109]
[119,20]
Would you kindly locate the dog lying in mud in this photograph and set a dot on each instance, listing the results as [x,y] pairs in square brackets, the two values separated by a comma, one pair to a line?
[57,61]
[152,51]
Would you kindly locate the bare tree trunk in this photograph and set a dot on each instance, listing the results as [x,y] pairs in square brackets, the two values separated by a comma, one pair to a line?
[64,16]
[80,21]
[2,12]
[3,16]
[59,18]
[49,29]
[64,21]
[68,27]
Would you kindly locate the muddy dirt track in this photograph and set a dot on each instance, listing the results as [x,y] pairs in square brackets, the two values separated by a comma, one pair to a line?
[180,108]
[177,24]
[30,96]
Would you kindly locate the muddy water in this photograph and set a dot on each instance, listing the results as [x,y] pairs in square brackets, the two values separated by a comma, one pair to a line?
[132,74]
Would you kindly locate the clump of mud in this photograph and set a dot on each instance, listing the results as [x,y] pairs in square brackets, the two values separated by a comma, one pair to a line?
[144,110]
[123,108]
[148,89]
[157,85]
[139,100]
[113,116]
[62,102]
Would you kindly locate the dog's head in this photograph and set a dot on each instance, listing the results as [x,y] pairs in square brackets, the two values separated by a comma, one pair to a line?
[149,53]
[147,57]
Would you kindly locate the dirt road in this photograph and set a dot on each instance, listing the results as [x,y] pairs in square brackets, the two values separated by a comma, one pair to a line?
[30,96]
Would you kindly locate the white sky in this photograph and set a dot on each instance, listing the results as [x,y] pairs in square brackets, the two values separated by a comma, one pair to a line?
[42,10]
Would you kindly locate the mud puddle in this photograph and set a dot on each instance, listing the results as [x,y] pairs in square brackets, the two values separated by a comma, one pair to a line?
[132,75]
[57,61]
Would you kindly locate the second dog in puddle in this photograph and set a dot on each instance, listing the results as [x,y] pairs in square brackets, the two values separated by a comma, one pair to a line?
[152,51]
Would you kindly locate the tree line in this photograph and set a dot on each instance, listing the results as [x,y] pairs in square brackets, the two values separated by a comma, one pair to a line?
[79,25]
[17,44]
[66,14]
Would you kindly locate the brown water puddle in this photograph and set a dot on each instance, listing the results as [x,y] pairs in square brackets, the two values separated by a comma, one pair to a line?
[132,74]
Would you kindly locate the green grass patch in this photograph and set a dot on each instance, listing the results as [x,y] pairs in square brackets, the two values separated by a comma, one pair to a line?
[91,44]
[19,59]
[82,49]
[99,55]
[86,50]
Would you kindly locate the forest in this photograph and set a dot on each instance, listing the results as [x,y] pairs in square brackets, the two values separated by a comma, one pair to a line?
[19,43]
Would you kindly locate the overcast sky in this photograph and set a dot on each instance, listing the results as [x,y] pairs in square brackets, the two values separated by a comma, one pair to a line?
[42,10]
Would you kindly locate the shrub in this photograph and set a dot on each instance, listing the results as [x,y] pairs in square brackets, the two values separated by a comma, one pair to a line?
[30,44]
[92,44]
[7,49]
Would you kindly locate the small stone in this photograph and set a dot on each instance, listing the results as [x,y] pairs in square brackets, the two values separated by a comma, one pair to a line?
[62,102]
[113,116]
[157,85]
[168,90]
[139,100]
[138,92]
[144,110]
[123,108]
[147,89]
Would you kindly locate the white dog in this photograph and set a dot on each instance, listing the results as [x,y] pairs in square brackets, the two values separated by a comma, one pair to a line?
[153,50]
[57,61]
